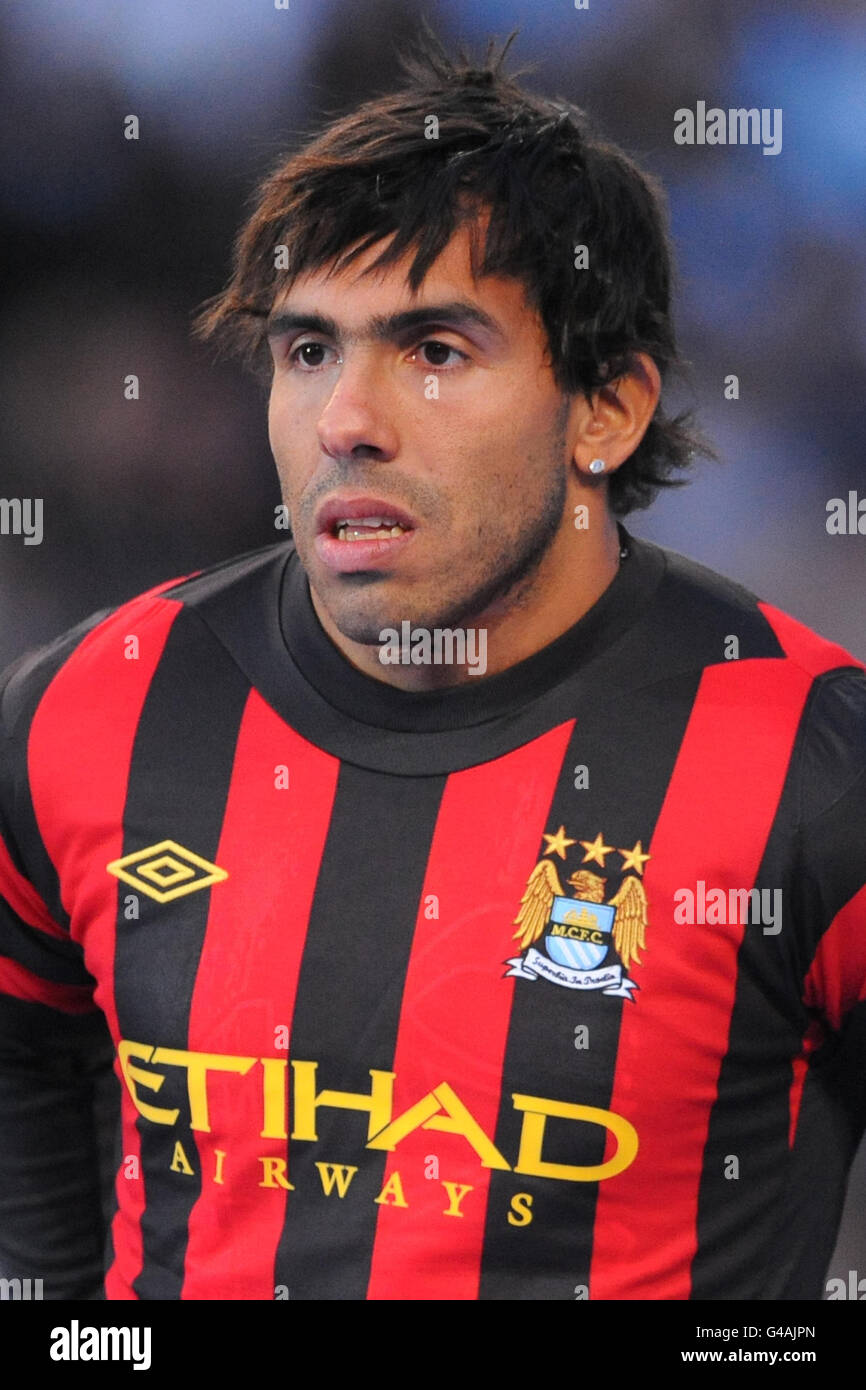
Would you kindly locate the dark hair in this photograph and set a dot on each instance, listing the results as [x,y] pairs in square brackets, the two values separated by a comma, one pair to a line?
[549,184]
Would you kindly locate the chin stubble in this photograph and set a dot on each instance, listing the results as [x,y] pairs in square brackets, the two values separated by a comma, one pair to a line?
[524,553]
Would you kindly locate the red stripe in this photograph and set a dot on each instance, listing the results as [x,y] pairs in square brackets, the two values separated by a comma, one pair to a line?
[70,999]
[812,1039]
[837,979]
[455,1014]
[245,992]
[837,976]
[811,651]
[79,753]
[713,826]
[23,898]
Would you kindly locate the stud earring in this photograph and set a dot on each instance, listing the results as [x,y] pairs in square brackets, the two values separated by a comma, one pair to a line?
[596,466]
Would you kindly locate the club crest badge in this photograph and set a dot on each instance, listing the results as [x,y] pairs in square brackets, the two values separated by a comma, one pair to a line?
[582,941]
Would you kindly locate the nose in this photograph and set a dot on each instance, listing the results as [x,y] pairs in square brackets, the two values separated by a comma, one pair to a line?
[358,418]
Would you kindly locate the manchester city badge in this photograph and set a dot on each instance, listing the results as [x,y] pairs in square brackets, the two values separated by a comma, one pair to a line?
[582,942]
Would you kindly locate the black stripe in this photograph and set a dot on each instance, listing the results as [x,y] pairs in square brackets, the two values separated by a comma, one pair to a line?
[24,685]
[630,747]
[829,1128]
[831,803]
[769,1233]
[746,1174]
[779,1249]
[51,1223]
[347,1016]
[61,962]
[29,1030]
[178,785]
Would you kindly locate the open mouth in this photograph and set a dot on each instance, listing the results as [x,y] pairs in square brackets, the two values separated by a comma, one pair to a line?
[356,534]
[366,528]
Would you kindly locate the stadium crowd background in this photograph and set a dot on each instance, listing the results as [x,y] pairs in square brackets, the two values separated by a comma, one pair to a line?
[109,245]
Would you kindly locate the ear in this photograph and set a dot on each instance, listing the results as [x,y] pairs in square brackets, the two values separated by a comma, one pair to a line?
[613,425]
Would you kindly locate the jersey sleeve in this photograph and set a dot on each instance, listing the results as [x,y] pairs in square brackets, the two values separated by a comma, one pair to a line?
[831,876]
[55,1067]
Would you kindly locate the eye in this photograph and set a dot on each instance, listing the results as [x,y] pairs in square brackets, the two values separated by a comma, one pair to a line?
[309,356]
[436,353]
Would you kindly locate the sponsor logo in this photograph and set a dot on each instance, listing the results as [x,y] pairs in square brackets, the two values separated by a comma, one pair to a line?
[143,1068]
[166,871]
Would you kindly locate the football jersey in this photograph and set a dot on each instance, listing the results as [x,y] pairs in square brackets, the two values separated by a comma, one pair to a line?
[545,985]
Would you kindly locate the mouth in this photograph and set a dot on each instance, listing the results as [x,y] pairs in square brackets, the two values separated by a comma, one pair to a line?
[361,533]
[354,518]
[367,528]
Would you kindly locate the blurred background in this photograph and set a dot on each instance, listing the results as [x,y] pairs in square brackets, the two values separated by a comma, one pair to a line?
[110,244]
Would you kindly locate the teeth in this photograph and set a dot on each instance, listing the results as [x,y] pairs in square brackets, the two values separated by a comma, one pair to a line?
[345,532]
[367,521]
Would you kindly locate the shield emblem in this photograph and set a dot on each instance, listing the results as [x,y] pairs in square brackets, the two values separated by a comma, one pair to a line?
[578,932]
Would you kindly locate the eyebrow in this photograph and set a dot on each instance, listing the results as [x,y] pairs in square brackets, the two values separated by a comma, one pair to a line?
[456,314]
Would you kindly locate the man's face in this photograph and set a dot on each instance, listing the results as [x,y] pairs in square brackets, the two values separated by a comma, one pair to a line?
[437,410]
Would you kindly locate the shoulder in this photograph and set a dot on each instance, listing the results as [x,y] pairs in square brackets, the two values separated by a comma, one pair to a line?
[751,653]
[94,644]
[725,621]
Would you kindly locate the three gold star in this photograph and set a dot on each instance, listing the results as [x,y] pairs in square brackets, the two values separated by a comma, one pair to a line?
[595,851]
[634,858]
[557,844]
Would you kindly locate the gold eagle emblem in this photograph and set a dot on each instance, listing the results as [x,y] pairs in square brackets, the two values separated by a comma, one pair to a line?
[629,902]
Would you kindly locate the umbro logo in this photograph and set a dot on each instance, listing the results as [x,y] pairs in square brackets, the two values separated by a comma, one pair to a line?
[166,871]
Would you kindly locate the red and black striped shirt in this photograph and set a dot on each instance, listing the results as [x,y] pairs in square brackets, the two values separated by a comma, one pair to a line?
[545,986]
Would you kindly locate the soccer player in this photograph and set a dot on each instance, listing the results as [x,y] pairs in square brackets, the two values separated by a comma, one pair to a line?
[470,896]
